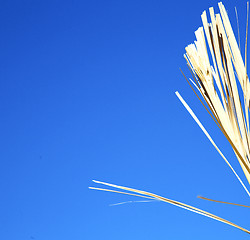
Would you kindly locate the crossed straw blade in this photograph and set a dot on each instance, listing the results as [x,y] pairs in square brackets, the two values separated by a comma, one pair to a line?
[148,195]
[210,139]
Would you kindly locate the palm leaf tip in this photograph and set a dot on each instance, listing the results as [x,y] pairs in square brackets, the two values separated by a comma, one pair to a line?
[220,80]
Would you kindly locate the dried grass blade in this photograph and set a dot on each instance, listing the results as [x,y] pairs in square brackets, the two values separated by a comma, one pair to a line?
[212,200]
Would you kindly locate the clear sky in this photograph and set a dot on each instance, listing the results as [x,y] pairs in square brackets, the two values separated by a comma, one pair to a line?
[87,92]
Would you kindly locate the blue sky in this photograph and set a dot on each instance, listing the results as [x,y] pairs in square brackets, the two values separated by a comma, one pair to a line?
[87,92]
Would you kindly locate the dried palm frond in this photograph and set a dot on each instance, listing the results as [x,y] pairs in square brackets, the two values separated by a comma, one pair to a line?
[217,83]
[220,78]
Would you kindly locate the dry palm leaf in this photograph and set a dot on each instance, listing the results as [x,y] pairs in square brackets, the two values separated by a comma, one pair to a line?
[217,83]
[217,78]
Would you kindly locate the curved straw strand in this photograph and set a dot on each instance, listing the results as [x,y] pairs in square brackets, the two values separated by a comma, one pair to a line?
[145,194]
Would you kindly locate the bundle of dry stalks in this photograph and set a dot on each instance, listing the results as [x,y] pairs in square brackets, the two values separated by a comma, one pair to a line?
[220,79]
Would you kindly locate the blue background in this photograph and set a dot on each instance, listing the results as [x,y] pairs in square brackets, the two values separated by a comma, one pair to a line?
[87,92]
